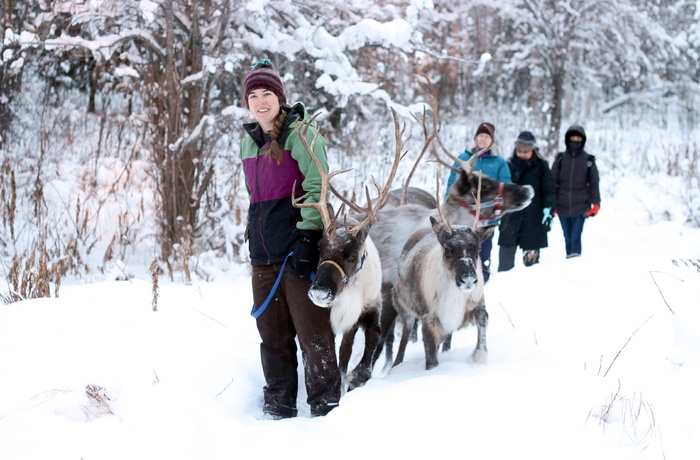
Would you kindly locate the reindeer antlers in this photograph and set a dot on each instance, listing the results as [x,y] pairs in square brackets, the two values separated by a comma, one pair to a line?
[428,139]
[322,205]
[467,166]
[369,211]
[329,222]
[437,199]
[431,95]
[383,192]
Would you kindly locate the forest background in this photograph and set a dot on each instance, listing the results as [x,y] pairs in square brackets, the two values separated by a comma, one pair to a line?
[120,120]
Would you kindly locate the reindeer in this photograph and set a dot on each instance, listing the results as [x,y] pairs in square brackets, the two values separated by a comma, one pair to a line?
[397,223]
[411,208]
[348,277]
[440,282]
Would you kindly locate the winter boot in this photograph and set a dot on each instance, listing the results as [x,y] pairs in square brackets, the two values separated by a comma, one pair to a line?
[531,257]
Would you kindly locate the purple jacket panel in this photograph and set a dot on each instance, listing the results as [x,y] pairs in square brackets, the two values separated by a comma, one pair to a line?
[268,180]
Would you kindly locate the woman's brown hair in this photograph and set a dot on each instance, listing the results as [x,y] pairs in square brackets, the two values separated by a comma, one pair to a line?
[275,149]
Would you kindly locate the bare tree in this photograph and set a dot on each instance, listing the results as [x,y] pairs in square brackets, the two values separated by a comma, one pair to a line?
[161,81]
[177,91]
[573,42]
[13,14]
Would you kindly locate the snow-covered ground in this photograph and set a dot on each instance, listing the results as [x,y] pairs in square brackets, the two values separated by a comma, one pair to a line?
[594,357]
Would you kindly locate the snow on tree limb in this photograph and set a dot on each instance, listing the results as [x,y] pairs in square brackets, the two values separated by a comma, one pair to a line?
[106,44]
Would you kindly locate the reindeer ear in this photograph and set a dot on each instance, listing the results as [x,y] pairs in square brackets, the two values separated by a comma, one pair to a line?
[463,183]
[440,227]
[435,223]
[363,233]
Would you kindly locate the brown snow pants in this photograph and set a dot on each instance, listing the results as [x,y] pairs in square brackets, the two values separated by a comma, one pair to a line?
[291,314]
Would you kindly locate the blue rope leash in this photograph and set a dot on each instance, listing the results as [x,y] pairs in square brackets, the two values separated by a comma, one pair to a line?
[255,313]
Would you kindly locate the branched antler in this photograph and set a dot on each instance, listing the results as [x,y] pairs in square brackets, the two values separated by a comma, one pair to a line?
[430,94]
[370,210]
[477,204]
[322,205]
[437,199]
[428,139]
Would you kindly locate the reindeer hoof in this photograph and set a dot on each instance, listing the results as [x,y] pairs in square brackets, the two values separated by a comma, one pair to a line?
[357,379]
[480,357]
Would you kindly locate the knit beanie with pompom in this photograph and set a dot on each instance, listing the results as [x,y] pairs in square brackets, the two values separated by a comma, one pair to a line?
[263,75]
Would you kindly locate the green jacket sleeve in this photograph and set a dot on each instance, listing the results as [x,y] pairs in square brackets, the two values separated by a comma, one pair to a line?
[311,218]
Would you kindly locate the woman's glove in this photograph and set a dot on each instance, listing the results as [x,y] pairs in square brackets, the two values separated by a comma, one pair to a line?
[306,253]
[547,217]
[593,211]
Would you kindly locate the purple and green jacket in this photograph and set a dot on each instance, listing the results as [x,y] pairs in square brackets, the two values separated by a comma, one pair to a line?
[272,220]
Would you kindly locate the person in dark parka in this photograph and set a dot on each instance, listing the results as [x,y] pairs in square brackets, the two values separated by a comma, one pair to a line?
[576,185]
[528,227]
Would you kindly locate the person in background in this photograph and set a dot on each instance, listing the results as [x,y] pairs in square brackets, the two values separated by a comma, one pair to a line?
[273,160]
[576,185]
[528,227]
[490,163]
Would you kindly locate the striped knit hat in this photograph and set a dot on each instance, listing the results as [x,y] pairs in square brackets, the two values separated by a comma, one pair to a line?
[526,141]
[263,75]
[486,128]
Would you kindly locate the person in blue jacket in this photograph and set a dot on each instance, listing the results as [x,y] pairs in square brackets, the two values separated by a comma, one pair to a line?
[491,164]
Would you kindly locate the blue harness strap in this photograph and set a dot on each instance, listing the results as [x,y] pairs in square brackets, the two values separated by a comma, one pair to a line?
[255,313]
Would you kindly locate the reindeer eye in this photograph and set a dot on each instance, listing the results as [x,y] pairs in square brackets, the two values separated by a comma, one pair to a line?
[448,251]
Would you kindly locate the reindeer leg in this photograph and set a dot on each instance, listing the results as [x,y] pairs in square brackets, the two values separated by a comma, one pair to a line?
[414,331]
[481,318]
[369,321]
[405,334]
[346,349]
[387,322]
[389,337]
[447,343]
[432,335]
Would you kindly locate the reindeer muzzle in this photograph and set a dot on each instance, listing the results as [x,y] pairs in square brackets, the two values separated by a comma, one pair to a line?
[321,296]
[324,288]
[465,275]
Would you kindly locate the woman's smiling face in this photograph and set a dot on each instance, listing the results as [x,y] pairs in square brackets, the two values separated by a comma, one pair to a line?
[483,141]
[264,105]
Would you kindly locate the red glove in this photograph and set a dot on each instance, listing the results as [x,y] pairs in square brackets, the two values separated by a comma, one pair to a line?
[593,211]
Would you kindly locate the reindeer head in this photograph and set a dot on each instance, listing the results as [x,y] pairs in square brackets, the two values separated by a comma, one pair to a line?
[461,244]
[460,251]
[343,255]
[497,198]
[342,248]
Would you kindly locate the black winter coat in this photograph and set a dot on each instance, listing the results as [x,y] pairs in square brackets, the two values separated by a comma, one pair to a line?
[575,178]
[524,228]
